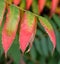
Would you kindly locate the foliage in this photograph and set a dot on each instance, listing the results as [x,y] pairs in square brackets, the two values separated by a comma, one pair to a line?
[27,33]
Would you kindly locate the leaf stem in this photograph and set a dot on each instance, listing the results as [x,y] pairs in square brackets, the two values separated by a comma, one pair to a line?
[21,8]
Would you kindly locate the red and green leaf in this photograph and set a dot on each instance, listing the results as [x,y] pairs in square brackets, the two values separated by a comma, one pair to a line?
[41,4]
[27,30]
[49,29]
[2,10]
[28,4]
[10,27]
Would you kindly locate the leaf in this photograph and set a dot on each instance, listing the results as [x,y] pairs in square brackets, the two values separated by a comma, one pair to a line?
[32,39]
[1,48]
[43,44]
[56,19]
[2,10]
[16,2]
[14,51]
[37,45]
[57,35]
[49,29]
[27,30]
[35,6]
[33,53]
[40,43]
[10,27]
[41,4]
[23,4]
[42,60]
[50,46]
[40,27]
[53,6]
[58,42]
[28,4]
[59,61]
[52,61]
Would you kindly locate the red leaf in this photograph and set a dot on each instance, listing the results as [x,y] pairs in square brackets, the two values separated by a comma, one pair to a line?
[53,6]
[27,28]
[9,32]
[41,4]
[28,4]
[16,2]
[31,40]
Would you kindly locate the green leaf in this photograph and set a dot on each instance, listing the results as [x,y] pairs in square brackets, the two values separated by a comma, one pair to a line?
[1,48]
[33,53]
[43,45]
[52,61]
[37,42]
[13,16]
[23,4]
[37,45]
[59,62]
[50,46]
[2,10]
[14,51]
[40,27]
[42,60]
[56,20]
[35,6]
